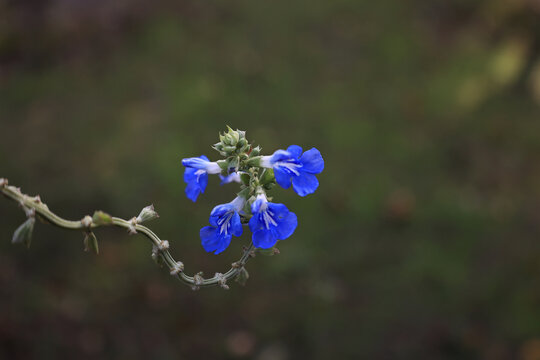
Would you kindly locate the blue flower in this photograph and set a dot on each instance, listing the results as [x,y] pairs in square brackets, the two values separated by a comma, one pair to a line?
[270,222]
[196,175]
[293,166]
[225,222]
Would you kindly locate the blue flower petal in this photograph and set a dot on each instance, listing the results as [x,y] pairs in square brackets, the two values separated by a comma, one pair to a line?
[236,225]
[189,174]
[312,161]
[286,226]
[279,211]
[203,181]
[263,239]
[305,183]
[255,223]
[212,241]
[192,191]
[295,151]
[209,238]
[224,243]
[282,178]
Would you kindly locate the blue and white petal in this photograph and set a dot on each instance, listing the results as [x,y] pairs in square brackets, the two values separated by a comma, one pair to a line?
[291,166]
[224,223]
[234,177]
[202,163]
[270,222]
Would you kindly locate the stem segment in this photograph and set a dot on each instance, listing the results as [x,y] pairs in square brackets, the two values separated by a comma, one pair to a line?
[42,209]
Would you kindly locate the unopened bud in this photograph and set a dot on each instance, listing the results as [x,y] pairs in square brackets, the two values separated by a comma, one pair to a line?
[228,149]
[256,151]
[242,276]
[147,214]
[229,140]
[23,234]
[3,182]
[91,243]
[177,268]
[234,134]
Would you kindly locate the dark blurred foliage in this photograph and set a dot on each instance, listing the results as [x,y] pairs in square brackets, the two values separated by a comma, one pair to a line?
[422,241]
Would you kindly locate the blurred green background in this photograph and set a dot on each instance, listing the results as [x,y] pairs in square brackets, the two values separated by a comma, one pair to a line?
[422,241]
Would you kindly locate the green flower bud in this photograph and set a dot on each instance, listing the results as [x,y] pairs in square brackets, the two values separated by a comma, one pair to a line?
[101,218]
[229,140]
[233,142]
[256,151]
[147,214]
[229,149]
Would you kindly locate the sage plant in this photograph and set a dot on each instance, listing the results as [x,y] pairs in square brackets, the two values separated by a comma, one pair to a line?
[251,208]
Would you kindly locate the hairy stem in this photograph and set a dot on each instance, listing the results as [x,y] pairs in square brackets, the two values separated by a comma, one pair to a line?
[43,210]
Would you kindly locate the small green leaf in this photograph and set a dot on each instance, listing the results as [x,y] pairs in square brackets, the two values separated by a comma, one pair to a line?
[91,243]
[245,177]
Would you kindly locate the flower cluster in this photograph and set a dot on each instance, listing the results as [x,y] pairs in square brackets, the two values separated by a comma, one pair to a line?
[268,221]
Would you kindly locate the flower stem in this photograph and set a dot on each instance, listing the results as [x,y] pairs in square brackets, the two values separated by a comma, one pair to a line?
[42,209]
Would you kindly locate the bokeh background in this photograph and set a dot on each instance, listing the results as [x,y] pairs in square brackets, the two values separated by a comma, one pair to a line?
[422,241]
